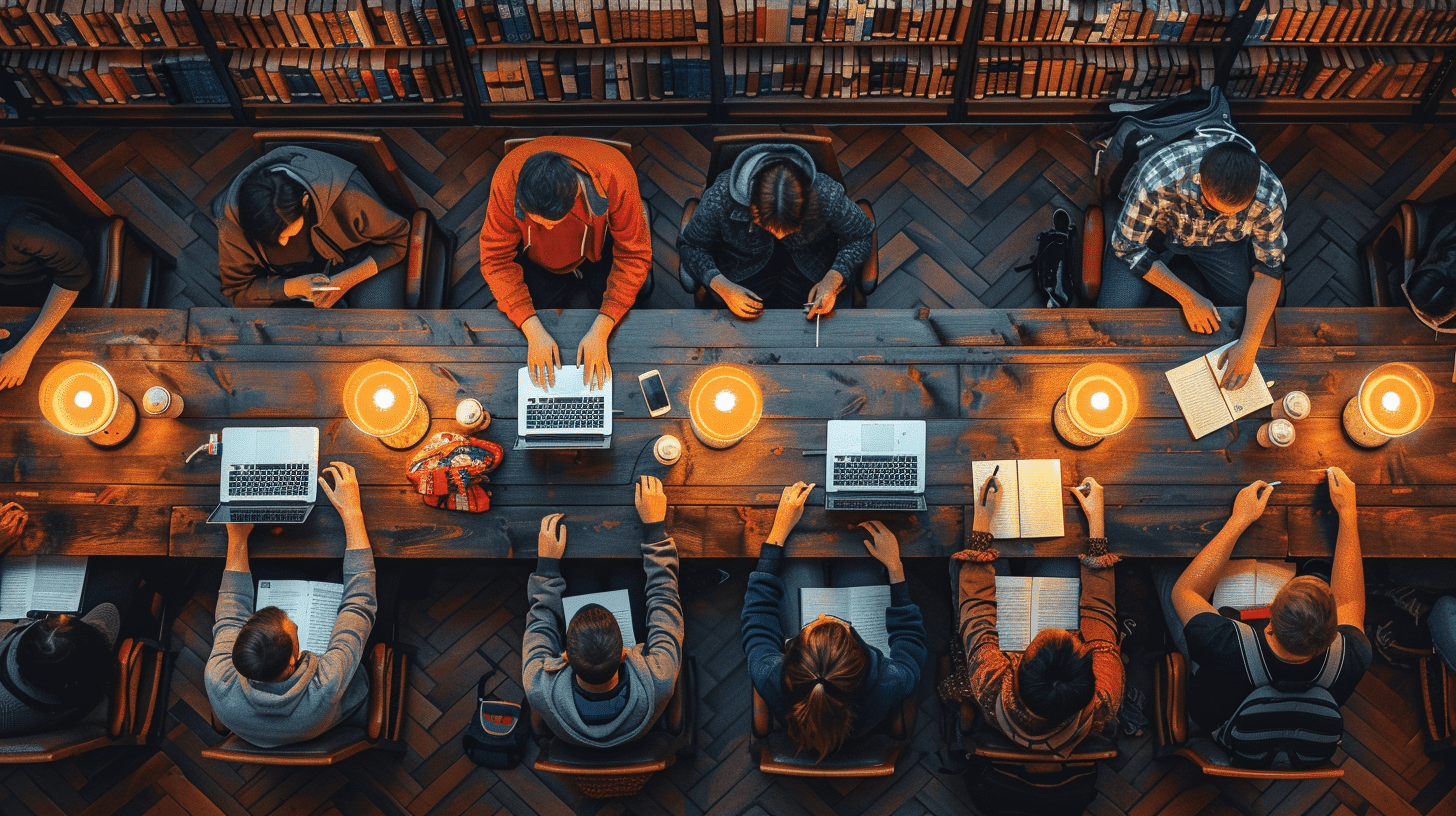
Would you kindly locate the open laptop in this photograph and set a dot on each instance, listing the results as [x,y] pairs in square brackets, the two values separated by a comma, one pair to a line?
[269,476]
[568,415]
[875,465]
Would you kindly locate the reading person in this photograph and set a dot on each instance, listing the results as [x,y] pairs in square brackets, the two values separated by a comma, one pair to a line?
[56,670]
[303,225]
[258,682]
[775,233]
[565,214]
[40,265]
[1217,203]
[824,682]
[1065,685]
[578,676]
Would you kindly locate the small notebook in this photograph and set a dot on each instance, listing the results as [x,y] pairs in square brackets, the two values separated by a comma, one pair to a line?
[50,583]
[864,607]
[1251,583]
[313,606]
[618,602]
[1025,606]
[1030,504]
[1206,405]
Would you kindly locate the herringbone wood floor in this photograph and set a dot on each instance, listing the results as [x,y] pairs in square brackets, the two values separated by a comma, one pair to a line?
[957,208]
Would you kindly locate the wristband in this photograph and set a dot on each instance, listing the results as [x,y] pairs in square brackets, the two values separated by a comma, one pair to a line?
[1097,547]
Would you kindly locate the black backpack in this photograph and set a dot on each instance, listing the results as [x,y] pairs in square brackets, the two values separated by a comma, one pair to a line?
[496,736]
[1053,264]
[1298,724]
[1126,146]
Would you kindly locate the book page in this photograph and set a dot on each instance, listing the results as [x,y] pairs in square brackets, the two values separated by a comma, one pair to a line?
[1013,612]
[312,611]
[1199,397]
[51,583]
[1238,588]
[17,575]
[1253,396]
[1055,604]
[618,602]
[1269,579]
[1040,495]
[1006,523]
[864,607]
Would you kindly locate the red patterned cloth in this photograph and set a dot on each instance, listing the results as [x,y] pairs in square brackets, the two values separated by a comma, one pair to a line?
[450,469]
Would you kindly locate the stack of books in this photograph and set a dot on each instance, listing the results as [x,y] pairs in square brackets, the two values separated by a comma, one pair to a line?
[323,23]
[114,78]
[485,22]
[626,74]
[364,75]
[841,73]
[119,23]
[786,21]
[1092,73]
[1107,21]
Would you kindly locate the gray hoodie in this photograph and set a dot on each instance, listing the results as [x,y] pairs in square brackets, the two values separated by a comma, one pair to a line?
[651,667]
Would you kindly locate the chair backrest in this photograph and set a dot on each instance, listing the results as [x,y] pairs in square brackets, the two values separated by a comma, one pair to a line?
[874,754]
[625,147]
[727,148]
[365,151]
[45,175]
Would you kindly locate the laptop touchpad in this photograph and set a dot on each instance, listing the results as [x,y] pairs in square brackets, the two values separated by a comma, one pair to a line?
[877,438]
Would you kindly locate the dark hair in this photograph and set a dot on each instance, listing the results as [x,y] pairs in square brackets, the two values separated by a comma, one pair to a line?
[269,199]
[594,644]
[824,671]
[263,648]
[547,185]
[66,657]
[1055,679]
[780,196]
[1230,171]
[1303,617]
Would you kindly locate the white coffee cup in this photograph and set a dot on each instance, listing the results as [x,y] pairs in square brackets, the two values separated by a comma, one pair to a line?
[667,450]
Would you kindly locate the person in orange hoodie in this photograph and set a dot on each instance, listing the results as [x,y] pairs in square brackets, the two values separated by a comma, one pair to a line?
[565,212]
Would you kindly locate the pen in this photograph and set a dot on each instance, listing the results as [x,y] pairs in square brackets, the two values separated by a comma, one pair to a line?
[324,288]
[1275,484]
[985,491]
[816,331]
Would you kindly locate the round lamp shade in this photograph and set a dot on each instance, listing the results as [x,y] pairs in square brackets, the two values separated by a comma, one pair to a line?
[725,404]
[1396,399]
[1101,400]
[79,397]
[381,399]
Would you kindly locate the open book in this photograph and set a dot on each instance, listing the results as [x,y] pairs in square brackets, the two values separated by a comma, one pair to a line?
[1025,606]
[49,583]
[1205,404]
[864,607]
[1030,504]
[618,602]
[1251,583]
[313,606]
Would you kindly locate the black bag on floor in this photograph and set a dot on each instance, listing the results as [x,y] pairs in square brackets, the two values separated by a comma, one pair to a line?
[496,735]
[1054,265]
[1123,148]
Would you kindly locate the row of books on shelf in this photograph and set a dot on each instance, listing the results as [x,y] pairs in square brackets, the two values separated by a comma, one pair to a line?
[600,75]
[1334,73]
[485,22]
[1107,21]
[323,23]
[1350,21]
[114,78]
[770,21]
[359,75]
[96,23]
[817,72]
[1092,73]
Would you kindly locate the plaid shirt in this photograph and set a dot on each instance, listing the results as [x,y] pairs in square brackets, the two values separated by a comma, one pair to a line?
[1166,198]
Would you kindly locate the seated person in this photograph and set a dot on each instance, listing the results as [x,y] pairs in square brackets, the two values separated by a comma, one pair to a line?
[1305,617]
[773,232]
[12,524]
[56,670]
[303,225]
[824,682]
[258,682]
[40,265]
[588,688]
[1214,201]
[1066,685]
[565,214]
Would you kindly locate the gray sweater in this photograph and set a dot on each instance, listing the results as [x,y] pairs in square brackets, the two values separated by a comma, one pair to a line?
[323,689]
[651,668]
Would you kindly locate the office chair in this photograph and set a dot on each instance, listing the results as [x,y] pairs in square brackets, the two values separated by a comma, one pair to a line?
[1397,244]
[874,754]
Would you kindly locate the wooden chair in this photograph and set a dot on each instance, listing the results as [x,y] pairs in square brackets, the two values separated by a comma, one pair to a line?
[1438,698]
[726,149]
[1393,248]
[127,267]
[431,250]
[623,770]
[1170,731]
[388,669]
[874,754]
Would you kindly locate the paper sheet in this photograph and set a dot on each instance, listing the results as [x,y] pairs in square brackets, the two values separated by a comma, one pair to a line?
[1013,612]
[50,583]
[864,607]
[313,606]
[618,602]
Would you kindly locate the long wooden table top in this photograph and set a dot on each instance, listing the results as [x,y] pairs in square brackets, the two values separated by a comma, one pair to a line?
[985,382]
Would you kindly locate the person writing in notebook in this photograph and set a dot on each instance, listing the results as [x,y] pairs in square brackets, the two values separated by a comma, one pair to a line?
[40,265]
[824,682]
[1305,618]
[565,214]
[1065,685]
[259,684]
[1214,201]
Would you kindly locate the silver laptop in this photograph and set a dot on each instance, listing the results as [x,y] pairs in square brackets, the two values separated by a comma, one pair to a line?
[568,415]
[875,465]
[269,476]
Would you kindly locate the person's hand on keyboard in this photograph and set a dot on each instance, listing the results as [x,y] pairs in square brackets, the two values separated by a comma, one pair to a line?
[344,494]
[591,355]
[543,356]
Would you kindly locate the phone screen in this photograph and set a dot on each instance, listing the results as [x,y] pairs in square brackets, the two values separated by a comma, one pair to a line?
[654,392]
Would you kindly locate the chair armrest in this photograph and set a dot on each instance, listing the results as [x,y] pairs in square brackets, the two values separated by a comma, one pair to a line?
[379,677]
[869,276]
[123,687]
[1170,705]
[108,272]
[1094,241]
[415,254]
[762,719]
[690,284]
[217,725]
[902,720]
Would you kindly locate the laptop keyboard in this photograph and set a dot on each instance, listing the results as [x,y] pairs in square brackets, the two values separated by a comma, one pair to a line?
[272,515]
[544,413]
[268,480]
[876,471]
[873,504]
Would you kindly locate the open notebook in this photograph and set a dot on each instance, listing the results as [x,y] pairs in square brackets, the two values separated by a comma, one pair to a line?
[618,602]
[1030,504]
[1205,404]
[1251,583]
[864,607]
[313,606]
[1025,606]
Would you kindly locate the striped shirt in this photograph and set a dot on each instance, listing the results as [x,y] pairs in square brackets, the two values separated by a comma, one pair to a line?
[1167,197]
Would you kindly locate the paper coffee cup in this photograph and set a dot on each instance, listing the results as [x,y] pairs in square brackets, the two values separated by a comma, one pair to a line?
[1276,433]
[471,414]
[1294,406]
[667,450]
[160,403]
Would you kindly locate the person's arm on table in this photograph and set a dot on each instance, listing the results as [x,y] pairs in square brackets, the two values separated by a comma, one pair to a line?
[1347,574]
[1195,586]
[1098,602]
[854,230]
[663,650]
[15,363]
[545,618]
[976,600]
[1268,240]
[234,607]
[763,634]
[500,240]
[359,604]
[631,265]
[1130,243]
[700,239]
[903,621]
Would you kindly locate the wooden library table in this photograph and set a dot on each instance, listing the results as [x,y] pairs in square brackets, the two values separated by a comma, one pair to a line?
[985,382]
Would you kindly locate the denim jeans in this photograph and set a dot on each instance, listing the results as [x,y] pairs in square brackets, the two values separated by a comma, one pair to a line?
[1227,269]
[1443,629]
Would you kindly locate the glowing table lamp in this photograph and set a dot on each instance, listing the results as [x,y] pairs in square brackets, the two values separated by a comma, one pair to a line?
[725,404]
[1394,400]
[1101,400]
[80,398]
[381,400]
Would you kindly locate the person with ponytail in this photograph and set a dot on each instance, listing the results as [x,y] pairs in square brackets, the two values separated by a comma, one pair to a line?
[824,683]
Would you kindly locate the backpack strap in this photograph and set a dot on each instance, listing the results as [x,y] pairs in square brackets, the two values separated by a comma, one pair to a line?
[1253,655]
[1334,661]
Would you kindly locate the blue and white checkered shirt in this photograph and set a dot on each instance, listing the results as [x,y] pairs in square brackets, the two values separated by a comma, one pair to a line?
[1166,197]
